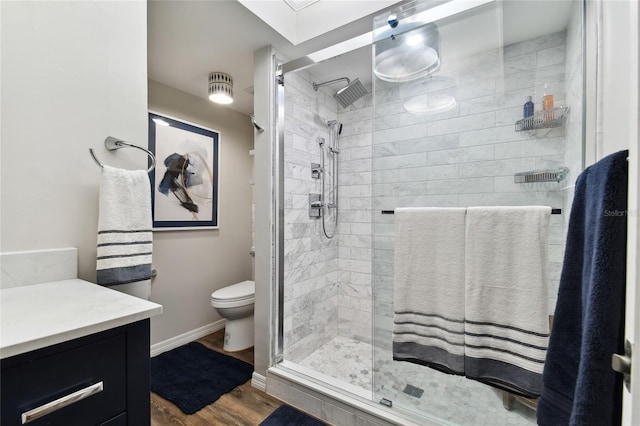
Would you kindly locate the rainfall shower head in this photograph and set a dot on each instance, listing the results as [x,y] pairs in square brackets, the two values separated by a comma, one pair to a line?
[353,91]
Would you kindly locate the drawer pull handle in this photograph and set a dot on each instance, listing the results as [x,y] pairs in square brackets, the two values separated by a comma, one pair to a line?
[59,403]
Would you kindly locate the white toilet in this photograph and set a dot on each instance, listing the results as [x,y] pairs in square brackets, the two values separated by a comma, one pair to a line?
[235,303]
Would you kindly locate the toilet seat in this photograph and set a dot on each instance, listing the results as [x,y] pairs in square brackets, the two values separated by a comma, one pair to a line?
[235,295]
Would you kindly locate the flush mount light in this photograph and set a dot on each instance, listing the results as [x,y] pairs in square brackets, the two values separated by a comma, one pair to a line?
[415,40]
[220,88]
[409,56]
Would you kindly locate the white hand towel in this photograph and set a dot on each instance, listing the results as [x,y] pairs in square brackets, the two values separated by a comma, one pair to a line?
[507,324]
[125,235]
[429,287]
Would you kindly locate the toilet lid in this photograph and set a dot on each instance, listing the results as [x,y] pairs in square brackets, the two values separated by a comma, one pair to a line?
[243,290]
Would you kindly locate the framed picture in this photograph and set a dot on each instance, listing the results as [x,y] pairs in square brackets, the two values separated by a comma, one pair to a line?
[184,182]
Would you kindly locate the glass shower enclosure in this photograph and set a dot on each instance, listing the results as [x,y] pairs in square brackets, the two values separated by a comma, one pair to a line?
[431,114]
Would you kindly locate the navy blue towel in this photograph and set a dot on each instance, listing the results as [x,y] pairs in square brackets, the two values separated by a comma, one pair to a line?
[579,386]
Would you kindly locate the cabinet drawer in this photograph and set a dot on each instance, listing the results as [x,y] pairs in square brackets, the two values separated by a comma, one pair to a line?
[40,380]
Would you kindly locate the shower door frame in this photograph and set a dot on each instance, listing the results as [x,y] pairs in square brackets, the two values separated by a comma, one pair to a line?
[281,69]
[278,228]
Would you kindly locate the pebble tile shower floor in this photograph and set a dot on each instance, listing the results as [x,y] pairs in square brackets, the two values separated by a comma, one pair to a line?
[449,398]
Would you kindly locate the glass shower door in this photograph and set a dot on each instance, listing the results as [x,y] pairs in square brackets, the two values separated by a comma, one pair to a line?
[449,130]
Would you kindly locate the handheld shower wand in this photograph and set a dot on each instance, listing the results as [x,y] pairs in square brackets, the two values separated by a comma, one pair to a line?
[335,129]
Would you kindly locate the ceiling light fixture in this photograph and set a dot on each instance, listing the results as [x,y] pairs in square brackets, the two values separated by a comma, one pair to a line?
[415,40]
[220,88]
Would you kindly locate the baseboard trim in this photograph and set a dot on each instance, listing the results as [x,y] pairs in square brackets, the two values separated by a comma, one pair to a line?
[189,336]
[259,381]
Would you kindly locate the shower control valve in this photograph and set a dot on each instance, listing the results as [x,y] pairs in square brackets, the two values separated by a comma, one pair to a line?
[315,205]
[316,169]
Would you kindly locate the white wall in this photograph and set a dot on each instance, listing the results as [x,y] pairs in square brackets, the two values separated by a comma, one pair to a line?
[620,95]
[73,73]
[620,56]
[192,264]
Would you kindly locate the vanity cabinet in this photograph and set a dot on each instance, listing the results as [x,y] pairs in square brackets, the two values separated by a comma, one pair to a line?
[99,379]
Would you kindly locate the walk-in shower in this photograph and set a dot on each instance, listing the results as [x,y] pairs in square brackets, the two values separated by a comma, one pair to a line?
[442,134]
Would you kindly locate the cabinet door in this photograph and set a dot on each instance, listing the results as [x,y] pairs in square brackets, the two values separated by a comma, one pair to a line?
[36,381]
[120,420]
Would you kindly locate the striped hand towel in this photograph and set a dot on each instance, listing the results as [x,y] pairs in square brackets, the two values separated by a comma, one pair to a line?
[507,323]
[124,227]
[429,287]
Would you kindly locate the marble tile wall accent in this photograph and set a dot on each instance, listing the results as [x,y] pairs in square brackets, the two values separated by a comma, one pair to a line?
[355,244]
[311,260]
[467,156]
[38,266]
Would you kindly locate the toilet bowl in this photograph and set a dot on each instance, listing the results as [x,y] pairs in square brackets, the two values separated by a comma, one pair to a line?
[235,304]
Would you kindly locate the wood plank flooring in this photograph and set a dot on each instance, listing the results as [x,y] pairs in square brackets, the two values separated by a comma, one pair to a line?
[244,406]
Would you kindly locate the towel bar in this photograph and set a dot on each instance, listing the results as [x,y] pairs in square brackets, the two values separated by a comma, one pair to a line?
[112,144]
[553,211]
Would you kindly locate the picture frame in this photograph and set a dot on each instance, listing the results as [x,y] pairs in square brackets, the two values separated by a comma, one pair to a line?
[184,183]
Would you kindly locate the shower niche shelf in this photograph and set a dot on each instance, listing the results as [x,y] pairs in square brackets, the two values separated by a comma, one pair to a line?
[547,175]
[544,119]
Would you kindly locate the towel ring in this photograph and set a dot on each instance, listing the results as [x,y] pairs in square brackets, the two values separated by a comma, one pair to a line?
[112,144]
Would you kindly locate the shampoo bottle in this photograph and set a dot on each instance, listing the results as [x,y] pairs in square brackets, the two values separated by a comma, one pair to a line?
[528,107]
[547,99]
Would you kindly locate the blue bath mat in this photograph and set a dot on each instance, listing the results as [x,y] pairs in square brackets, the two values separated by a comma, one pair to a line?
[285,415]
[194,376]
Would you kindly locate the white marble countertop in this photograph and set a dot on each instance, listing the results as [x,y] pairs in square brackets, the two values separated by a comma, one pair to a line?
[40,315]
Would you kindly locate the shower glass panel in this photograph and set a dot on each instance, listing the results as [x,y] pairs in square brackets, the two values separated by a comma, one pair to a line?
[431,114]
[448,131]
[326,318]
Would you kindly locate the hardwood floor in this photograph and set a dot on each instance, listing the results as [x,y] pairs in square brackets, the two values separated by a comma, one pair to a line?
[244,406]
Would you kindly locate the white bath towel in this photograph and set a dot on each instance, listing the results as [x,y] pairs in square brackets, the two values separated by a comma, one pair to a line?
[507,325]
[124,227]
[429,287]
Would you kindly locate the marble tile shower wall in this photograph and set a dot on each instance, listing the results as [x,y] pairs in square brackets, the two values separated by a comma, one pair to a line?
[311,260]
[355,178]
[467,156]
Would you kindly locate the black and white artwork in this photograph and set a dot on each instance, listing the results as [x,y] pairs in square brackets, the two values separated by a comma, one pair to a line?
[185,180]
